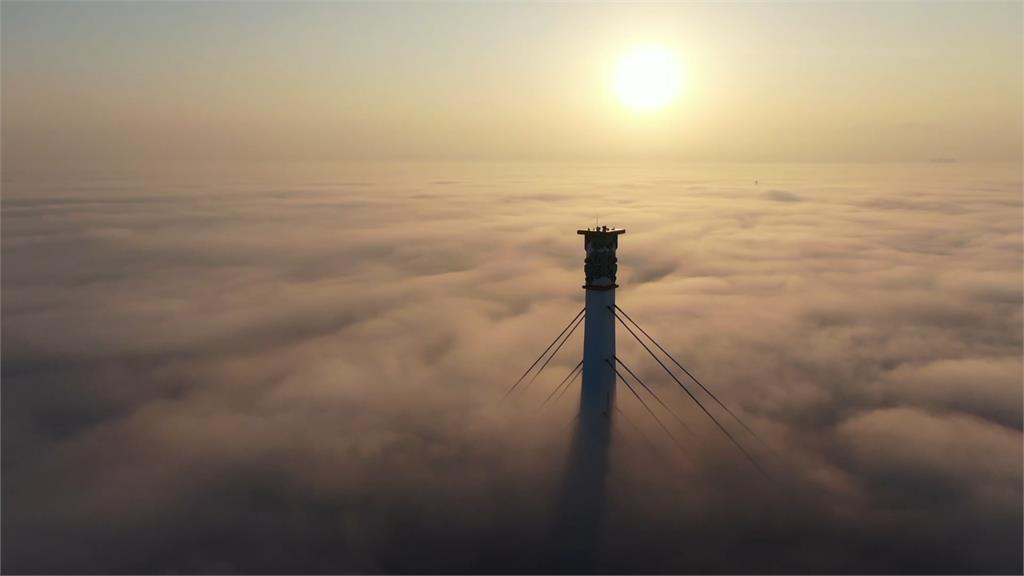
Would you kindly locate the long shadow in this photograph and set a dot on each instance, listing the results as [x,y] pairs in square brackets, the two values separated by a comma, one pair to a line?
[579,511]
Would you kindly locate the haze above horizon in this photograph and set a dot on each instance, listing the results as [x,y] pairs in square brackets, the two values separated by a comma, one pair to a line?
[843,82]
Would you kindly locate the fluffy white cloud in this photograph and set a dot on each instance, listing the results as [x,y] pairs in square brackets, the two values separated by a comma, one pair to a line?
[302,373]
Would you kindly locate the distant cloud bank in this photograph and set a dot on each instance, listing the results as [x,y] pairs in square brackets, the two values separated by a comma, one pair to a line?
[301,374]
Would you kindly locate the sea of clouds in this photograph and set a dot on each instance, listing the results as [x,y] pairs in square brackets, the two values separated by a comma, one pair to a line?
[300,370]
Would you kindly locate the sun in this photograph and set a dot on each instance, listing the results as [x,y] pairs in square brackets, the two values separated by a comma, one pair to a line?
[648,78]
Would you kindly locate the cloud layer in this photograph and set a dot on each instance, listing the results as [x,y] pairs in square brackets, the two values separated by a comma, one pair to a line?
[299,372]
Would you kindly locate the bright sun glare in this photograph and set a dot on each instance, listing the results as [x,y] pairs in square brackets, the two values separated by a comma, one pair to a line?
[648,78]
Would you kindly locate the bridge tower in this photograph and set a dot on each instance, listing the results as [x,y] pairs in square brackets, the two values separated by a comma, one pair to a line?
[597,398]
[578,527]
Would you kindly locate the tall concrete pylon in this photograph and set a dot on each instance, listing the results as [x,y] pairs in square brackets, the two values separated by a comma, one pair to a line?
[582,503]
[597,396]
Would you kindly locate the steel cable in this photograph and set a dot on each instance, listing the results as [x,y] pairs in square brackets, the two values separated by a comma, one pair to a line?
[564,381]
[692,377]
[554,353]
[651,392]
[528,370]
[649,411]
[694,398]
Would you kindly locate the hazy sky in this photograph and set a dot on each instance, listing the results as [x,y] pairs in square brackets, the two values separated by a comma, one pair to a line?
[840,81]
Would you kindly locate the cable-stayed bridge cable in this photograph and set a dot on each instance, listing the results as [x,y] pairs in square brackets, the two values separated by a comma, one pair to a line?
[639,432]
[565,381]
[649,411]
[692,397]
[692,377]
[564,390]
[554,353]
[651,392]
[528,370]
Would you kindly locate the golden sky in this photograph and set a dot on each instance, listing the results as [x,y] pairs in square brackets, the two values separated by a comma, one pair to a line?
[841,81]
